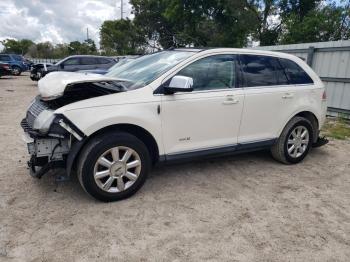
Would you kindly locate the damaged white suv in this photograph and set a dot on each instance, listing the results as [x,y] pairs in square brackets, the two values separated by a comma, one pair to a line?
[172,105]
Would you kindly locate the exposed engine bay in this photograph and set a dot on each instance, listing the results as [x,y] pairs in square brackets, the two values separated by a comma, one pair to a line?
[82,91]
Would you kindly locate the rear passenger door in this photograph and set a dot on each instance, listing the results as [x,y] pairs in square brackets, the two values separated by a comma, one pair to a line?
[269,98]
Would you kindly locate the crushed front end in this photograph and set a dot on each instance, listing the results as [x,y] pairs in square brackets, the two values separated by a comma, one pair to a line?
[49,138]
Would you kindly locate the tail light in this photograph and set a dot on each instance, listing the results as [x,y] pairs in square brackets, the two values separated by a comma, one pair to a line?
[324,95]
[6,66]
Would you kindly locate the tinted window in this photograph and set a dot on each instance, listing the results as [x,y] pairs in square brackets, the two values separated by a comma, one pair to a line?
[145,69]
[17,57]
[88,61]
[5,58]
[215,72]
[72,61]
[262,71]
[103,60]
[295,73]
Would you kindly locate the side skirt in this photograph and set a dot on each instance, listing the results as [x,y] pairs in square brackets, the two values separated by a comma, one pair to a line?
[217,151]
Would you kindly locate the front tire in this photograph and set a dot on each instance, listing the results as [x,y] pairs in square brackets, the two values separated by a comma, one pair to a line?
[295,141]
[113,166]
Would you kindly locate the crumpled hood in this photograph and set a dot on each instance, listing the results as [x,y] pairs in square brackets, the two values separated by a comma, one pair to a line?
[54,84]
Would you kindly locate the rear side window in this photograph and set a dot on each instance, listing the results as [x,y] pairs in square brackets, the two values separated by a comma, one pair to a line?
[5,58]
[103,60]
[295,74]
[88,61]
[262,71]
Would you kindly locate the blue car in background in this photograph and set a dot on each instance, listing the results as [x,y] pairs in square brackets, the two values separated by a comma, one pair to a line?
[17,62]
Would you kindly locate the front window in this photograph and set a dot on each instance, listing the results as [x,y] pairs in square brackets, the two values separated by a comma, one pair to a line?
[17,57]
[72,61]
[142,71]
[214,72]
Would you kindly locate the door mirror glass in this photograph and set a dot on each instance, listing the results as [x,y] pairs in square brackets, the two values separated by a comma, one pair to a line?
[62,65]
[179,84]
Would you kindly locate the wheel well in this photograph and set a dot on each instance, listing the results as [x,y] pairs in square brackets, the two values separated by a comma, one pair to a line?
[314,121]
[137,131]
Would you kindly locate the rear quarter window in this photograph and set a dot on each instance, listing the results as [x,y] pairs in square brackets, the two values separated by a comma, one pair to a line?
[296,75]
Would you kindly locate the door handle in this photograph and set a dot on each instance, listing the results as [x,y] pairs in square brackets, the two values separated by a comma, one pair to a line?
[287,96]
[230,100]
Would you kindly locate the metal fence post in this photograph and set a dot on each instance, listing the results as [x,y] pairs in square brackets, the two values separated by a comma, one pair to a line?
[310,55]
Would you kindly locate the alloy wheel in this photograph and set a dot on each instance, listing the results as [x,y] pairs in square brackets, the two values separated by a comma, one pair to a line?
[298,141]
[117,169]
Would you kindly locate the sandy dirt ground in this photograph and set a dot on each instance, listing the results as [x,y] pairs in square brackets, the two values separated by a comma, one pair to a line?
[241,208]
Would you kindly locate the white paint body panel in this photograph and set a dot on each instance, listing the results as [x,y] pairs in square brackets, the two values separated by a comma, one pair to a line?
[197,120]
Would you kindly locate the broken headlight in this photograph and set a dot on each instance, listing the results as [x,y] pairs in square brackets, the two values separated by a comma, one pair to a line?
[43,121]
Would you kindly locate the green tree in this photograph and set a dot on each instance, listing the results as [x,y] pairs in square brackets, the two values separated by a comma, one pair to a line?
[265,14]
[121,37]
[176,23]
[323,23]
[20,47]
[87,47]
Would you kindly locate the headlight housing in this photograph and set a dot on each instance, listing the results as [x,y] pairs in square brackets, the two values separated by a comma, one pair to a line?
[43,122]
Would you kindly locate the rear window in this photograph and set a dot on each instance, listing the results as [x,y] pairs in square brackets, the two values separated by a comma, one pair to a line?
[296,75]
[262,71]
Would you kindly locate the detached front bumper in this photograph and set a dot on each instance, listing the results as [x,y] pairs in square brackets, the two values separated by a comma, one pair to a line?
[56,147]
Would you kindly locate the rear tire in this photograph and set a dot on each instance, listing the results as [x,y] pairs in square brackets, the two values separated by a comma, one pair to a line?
[113,166]
[16,70]
[295,141]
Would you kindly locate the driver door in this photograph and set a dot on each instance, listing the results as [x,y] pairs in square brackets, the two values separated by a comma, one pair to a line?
[209,116]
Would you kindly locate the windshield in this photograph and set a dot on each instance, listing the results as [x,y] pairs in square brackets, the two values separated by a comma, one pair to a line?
[142,71]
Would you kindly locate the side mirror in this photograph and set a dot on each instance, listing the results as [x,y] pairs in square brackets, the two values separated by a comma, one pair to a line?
[62,66]
[179,84]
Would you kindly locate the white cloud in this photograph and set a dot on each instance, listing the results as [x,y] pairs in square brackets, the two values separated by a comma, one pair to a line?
[57,21]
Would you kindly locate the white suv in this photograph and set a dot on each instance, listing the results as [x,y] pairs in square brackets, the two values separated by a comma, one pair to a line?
[172,105]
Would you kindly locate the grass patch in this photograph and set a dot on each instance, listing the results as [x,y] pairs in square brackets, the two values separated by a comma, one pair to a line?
[337,129]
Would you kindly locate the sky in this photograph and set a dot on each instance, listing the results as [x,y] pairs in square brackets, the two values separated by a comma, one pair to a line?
[57,21]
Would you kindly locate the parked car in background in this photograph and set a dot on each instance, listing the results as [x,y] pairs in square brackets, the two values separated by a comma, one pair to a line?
[17,62]
[103,71]
[38,70]
[5,69]
[81,62]
[174,105]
